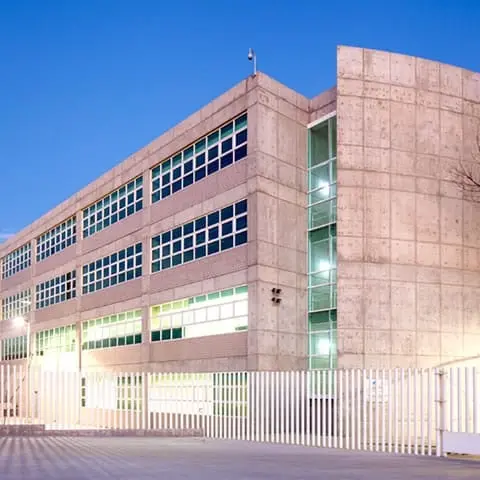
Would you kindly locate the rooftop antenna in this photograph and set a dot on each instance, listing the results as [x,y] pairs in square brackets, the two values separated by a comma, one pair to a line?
[252,56]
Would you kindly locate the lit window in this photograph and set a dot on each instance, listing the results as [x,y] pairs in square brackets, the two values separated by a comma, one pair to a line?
[16,261]
[213,233]
[56,239]
[119,267]
[225,311]
[14,348]
[55,340]
[16,305]
[123,202]
[218,150]
[115,330]
[56,290]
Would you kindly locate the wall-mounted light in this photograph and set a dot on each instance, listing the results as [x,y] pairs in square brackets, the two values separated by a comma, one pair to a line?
[276,295]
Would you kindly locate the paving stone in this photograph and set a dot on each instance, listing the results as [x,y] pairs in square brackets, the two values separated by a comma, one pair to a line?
[144,458]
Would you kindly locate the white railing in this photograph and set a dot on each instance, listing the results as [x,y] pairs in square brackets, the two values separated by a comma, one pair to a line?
[399,411]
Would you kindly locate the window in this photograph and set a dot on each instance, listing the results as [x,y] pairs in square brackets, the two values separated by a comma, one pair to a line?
[17,305]
[55,340]
[322,173]
[14,348]
[230,394]
[113,269]
[57,239]
[218,150]
[219,312]
[129,392]
[322,272]
[58,289]
[322,245]
[322,339]
[213,233]
[181,393]
[116,206]
[16,261]
[115,330]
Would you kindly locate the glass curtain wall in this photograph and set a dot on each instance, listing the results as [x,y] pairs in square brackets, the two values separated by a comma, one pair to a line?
[322,251]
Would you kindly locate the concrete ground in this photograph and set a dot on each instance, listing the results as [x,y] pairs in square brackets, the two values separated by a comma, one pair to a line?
[153,458]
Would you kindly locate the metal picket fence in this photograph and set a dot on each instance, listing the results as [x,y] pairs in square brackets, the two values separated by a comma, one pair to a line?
[400,411]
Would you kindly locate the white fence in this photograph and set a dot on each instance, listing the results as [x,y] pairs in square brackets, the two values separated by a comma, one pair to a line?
[421,412]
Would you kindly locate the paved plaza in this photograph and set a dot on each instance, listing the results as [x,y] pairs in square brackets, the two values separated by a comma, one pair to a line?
[154,458]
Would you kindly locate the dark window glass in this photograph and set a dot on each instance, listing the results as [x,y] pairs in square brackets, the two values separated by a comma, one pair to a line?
[200,160]
[188,167]
[200,223]
[240,238]
[188,180]
[213,152]
[240,152]
[177,186]
[241,137]
[199,174]
[227,242]
[226,160]
[200,251]
[213,233]
[200,238]
[241,223]
[240,207]
[227,145]
[166,237]
[188,256]
[166,263]
[176,260]
[212,167]
[213,218]
[213,247]
[176,233]
[177,246]
[227,228]
[177,173]
[166,334]
[227,212]
[188,242]
[177,333]
[166,191]
[188,228]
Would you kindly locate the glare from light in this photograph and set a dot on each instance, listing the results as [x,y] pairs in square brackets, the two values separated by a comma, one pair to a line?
[19,321]
[323,188]
[323,265]
[323,346]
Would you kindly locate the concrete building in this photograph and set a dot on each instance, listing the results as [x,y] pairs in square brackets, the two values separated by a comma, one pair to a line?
[268,231]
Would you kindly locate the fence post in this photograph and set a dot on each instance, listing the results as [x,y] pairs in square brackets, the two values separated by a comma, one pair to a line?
[146,413]
[440,407]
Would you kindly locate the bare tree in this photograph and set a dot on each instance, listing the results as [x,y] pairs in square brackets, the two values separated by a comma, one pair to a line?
[467,173]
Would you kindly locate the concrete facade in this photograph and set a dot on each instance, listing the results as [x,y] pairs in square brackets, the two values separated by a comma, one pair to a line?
[408,239]
[408,243]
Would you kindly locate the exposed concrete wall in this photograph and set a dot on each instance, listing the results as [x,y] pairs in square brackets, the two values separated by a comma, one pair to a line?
[277,256]
[408,241]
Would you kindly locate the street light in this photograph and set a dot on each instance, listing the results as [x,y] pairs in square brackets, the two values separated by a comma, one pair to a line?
[23,322]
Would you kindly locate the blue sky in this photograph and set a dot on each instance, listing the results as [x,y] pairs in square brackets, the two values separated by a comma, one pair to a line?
[85,83]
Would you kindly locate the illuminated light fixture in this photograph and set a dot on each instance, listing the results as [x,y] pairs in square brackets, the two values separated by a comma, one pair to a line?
[323,346]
